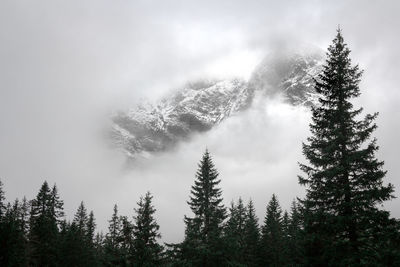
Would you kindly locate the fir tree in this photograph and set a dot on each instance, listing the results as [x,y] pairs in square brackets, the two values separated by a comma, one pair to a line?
[90,240]
[126,240]
[204,244]
[13,249]
[344,179]
[45,214]
[235,234]
[251,237]
[81,219]
[272,235]
[295,236]
[77,247]
[146,232]
[2,201]
[112,253]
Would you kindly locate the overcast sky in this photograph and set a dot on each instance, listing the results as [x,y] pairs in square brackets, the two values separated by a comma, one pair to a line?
[64,65]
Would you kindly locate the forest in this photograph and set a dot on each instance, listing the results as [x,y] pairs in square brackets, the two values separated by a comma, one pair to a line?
[339,222]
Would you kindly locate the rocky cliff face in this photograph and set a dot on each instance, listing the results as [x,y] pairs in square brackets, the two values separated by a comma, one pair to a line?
[199,106]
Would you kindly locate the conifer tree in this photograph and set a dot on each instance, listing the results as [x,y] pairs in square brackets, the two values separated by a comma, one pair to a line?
[204,244]
[13,248]
[90,240]
[2,201]
[99,250]
[272,235]
[147,251]
[77,241]
[24,216]
[126,240]
[81,219]
[234,233]
[45,215]
[112,253]
[71,246]
[344,179]
[251,237]
[295,236]
[57,205]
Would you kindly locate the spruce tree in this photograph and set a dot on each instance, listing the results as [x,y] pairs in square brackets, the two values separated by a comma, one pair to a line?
[13,248]
[72,247]
[90,240]
[204,243]
[295,236]
[2,201]
[235,234]
[78,235]
[251,237]
[45,216]
[112,252]
[126,240]
[344,179]
[147,251]
[272,235]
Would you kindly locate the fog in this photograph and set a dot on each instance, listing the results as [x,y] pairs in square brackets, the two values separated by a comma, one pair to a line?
[66,65]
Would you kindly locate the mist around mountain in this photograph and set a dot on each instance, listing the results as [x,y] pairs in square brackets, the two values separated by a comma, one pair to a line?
[199,106]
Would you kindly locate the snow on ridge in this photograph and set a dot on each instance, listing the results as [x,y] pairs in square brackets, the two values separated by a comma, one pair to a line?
[201,105]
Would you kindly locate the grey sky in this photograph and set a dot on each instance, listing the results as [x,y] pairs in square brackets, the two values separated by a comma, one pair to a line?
[65,64]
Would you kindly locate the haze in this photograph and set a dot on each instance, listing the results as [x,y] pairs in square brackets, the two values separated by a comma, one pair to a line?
[66,65]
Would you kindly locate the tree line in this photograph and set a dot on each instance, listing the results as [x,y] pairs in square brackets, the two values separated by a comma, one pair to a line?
[339,222]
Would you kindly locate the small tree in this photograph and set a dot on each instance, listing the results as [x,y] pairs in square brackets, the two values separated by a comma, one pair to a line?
[251,237]
[204,244]
[235,234]
[272,235]
[46,214]
[112,253]
[146,232]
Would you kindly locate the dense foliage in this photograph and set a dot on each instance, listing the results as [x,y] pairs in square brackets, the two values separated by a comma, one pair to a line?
[340,221]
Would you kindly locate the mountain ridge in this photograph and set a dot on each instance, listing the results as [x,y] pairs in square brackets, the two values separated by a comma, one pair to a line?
[200,105]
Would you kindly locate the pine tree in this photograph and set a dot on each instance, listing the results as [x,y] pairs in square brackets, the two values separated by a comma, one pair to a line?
[272,235]
[204,244]
[344,179]
[45,216]
[251,237]
[146,232]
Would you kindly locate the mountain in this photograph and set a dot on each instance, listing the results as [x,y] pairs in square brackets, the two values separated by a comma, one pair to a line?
[201,105]
[289,73]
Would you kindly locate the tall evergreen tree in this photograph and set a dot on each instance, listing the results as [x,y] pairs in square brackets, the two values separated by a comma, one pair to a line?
[344,179]
[272,235]
[45,215]
[147,251]
[204,244]
[251,237]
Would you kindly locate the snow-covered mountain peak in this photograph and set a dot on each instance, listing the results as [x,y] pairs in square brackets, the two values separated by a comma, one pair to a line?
[200,105]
